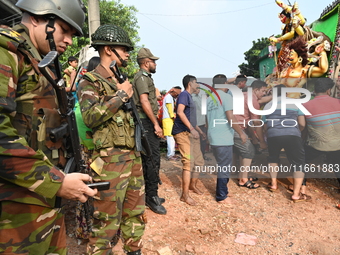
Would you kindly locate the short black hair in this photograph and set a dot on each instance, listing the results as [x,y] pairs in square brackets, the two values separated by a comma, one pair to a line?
[323,84]
[219,79]
[186,79]
[140,61]
[72,58]
[240,78]
[257,84]
[177,87]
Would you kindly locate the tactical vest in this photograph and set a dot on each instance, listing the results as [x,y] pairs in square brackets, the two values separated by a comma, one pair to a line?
[117,132]
[37,107]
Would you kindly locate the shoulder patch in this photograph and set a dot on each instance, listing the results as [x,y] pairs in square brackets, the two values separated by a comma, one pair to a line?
[90,77]
[10,39]
[12,34]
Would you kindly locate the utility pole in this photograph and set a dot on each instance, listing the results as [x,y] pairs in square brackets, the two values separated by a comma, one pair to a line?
[94,16]
[86,53]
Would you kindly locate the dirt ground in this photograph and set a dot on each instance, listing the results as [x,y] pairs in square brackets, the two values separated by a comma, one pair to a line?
[280,226]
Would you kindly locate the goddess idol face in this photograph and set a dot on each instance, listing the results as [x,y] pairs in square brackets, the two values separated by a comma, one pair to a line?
[283,18]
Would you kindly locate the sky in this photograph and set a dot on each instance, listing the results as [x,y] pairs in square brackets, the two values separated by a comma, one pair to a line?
[207,37]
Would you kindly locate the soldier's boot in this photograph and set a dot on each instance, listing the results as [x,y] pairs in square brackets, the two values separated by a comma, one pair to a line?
[155,205]
[139,252]
[161,199]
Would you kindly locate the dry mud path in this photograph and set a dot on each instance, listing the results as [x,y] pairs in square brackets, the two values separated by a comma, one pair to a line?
[280,226]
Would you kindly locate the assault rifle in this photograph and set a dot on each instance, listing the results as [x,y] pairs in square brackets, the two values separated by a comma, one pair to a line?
[68,130]
[141,140]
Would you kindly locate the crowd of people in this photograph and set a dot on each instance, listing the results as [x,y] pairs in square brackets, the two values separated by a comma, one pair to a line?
[302,137]
[32,160]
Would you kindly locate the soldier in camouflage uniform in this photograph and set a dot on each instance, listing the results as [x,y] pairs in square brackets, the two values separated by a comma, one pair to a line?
[115,158]
[30,163]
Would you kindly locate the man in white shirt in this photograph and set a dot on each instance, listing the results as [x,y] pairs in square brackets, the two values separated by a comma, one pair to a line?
[168,120]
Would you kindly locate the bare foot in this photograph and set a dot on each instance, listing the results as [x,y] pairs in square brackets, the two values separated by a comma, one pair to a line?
[272,188]
[227,201]
[302,190]
[188,200]
[301,198]
[195,190]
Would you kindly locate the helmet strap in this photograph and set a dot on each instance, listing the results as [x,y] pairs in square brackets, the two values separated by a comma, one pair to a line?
[123,62]
[49,32]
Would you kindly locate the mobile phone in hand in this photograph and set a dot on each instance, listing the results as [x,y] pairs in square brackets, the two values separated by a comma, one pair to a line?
[99,185]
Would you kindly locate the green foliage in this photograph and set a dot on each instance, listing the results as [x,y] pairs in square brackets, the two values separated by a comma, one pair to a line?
[111,12]
[251,68]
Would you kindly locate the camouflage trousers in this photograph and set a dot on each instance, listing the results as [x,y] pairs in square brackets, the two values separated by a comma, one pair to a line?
[31,229]
[120,207]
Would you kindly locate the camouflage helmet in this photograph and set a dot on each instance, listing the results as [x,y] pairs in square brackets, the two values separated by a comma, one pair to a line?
[111,35]
[70,11]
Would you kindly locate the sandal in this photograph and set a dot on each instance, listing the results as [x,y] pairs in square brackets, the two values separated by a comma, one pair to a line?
[253,178]
[290,188]
[249,185]
[269,186]
[302,198]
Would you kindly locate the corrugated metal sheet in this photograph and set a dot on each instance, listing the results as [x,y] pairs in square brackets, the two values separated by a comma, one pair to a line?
[9,13]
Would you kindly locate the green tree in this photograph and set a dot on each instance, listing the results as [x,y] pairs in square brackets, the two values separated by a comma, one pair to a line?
[111,12]
[251,68]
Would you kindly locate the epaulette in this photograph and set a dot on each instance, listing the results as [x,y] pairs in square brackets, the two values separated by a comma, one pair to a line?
[10,39]
[94,77]
[90,77]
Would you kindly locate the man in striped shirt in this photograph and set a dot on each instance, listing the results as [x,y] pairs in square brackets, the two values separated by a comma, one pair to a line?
[324,125]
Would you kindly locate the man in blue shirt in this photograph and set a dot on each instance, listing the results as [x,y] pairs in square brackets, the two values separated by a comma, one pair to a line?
[187,134]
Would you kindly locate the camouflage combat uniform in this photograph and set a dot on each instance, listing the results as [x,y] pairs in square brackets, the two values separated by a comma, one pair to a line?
[29,180]
[122,206]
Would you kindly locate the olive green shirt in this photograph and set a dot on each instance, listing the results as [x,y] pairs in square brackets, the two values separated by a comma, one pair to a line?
[143,84]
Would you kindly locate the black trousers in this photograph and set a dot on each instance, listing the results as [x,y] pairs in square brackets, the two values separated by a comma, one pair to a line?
[332,158]
[151,169]
[292,145]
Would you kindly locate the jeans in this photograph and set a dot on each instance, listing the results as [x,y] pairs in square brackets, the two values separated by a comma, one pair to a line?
[170,141]
[224,157]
